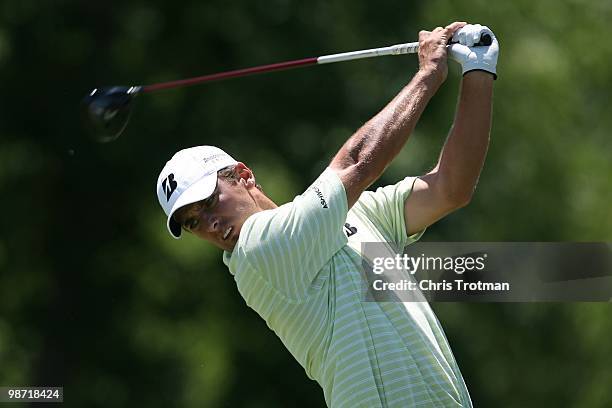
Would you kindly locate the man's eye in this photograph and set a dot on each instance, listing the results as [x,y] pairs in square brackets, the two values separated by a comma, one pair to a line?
[191,224]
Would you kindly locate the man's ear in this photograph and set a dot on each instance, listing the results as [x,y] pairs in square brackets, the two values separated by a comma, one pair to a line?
[245,175]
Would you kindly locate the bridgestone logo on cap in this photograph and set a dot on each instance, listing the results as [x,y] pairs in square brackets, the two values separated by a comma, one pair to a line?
[214,157]
[169,185]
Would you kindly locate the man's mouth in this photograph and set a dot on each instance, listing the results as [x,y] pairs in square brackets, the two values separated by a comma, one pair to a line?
[227,232]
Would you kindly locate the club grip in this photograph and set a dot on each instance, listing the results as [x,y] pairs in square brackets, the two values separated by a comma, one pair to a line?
[485,41]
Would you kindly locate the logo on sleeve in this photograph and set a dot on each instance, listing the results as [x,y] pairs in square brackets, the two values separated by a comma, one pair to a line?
[321,198]
[349,230]
[169,185]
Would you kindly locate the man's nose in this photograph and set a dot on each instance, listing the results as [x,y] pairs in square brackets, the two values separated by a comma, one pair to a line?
[212,223]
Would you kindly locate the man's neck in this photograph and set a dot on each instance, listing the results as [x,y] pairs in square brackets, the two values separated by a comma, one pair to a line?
[262,201]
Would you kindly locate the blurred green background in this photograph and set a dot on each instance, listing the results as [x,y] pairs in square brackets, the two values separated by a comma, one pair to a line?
[94,295]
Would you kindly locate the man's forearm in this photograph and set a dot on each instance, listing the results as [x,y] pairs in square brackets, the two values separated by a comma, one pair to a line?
[466,147]
[378,141]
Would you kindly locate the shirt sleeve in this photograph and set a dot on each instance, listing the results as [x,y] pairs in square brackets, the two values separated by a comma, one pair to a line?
[289,245]
[385,208]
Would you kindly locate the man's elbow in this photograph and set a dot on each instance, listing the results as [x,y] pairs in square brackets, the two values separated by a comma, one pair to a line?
[464,200]
[457,198]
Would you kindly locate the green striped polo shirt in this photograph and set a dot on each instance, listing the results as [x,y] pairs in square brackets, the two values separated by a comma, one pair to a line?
[299,267]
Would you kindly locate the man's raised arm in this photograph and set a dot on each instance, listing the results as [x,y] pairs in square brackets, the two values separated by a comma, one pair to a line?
[364,157]
[452,182]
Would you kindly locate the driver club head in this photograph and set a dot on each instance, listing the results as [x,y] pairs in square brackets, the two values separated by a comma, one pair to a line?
[107,111]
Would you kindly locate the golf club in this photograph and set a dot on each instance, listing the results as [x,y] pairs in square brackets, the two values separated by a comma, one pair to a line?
[107,110]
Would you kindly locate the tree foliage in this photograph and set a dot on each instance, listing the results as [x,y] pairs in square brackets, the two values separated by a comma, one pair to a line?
[94,295]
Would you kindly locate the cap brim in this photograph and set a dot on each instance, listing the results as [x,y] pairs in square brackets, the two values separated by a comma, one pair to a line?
[198,191]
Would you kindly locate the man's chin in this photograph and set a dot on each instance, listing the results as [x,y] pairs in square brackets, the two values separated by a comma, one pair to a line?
[229,244]
[232,243]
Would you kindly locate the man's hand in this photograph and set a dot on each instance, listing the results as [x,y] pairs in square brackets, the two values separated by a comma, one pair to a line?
[472,58]
[432,50]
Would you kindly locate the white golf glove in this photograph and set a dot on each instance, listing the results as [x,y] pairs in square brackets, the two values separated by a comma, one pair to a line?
[474,57]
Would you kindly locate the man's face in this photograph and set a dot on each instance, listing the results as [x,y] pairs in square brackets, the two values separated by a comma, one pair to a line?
[219,218]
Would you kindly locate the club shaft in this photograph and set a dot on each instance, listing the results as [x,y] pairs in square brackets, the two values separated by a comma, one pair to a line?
[399,49]
[230,74]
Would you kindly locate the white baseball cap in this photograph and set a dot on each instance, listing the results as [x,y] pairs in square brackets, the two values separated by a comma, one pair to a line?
[188,177]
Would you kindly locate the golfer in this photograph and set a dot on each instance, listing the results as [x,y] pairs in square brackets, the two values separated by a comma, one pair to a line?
[298,265]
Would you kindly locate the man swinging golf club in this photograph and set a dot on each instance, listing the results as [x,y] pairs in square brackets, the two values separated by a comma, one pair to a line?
[298,265]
